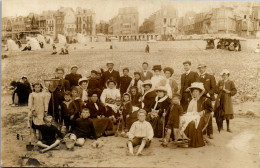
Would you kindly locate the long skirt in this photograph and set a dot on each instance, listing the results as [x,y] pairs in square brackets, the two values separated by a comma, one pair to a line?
[196,135]
[101,125]
[157,124]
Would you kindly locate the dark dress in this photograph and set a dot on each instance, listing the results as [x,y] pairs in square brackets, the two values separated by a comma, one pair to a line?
[136,100]
[23,91]
[75,108]
[157,122]
[94,85]
[102,124]
[73,79]
[196,135]
[148,99]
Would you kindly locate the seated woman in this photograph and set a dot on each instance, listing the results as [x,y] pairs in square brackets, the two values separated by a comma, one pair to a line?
[158,110]
[194,122]
[109,98]
[148,96]
[102,125]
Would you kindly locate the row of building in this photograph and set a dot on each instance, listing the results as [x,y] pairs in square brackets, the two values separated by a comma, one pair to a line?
[241,20]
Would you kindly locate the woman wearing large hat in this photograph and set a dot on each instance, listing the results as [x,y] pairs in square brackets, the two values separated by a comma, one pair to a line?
[158,109]
[195,121]
[148,96]
[83,89]
[109,96]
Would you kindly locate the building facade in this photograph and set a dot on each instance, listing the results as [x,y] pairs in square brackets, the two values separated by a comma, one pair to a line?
[125,23]
[85,21]
[59,23]
[50,24]
[102,27]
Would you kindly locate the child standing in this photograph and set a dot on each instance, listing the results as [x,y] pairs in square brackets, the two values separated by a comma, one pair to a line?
[65,109]
[38,106]
[126,109]
[173,123]
[141,133]
[136,82]
[49,133]
[225,89]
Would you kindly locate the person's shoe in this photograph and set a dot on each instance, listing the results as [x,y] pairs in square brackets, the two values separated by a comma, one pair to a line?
[229,130]
[13,105]
[211,136]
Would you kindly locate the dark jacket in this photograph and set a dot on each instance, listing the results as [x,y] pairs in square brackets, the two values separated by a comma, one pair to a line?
[94,84]
[148,100]
[113,75]
[148,76]
[209,83]
[175,111]
[96,112]
[73,79]
[124,84]
[84,128]
[187,80]
[75,108]
[136,100]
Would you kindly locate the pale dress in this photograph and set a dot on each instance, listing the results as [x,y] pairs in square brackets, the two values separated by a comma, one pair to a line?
[38,102]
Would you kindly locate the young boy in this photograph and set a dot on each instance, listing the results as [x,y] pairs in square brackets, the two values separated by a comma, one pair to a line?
[84,128]
[49,133]
[141,133]
[75,107]
[174,120]
[65,109]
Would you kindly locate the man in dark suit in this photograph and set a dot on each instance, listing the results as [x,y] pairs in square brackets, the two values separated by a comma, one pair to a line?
[125,81]
[209,83]
[110,74]
[73,77]
[145,74]
[187,79]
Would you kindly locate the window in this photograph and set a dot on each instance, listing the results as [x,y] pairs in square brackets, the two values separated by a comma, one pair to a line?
[164,20]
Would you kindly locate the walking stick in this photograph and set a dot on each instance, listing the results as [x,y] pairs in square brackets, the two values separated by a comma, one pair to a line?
[53,114]
[163,124]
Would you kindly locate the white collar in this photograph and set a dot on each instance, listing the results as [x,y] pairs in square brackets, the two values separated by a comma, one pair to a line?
[187,72]
[203,74]
[158,101]
[111,70]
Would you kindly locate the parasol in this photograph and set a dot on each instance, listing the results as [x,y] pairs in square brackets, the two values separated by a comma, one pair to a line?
[219,112]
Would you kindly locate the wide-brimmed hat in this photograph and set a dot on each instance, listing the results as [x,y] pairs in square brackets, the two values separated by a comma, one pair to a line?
[201,65]
[110,62]
[168,69]
[24,77]
[147,82]
[225,71]
[161,88]
[157,67]
[84,79]
[74,66]
[197,85]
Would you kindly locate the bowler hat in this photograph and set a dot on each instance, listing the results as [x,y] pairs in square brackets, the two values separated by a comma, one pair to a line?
[157,67]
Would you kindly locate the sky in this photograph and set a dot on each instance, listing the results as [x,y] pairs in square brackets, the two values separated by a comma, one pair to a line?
[105,9]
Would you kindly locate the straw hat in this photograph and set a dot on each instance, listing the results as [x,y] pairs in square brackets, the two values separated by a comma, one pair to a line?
[197,85]
[74,66]
[84,79]
[110,62]
[147,82]
[225,71]
[161,88]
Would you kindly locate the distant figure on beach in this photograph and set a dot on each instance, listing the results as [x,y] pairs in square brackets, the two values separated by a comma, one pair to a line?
[54,51]
[27,48]
[147,48]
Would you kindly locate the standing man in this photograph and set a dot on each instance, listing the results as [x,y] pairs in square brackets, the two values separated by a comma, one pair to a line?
[125,81]
[186,79]
[73,77]
[57,97]
[110,74]
[209,83]
[145,74]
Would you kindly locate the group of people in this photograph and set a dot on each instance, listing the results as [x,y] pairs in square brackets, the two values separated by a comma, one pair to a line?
[229,44]
[148,105]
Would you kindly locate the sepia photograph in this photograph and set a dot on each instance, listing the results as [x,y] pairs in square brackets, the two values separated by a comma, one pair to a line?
[130,83]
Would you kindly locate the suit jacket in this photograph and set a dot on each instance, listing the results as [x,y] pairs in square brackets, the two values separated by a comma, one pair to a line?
[148,76]
[113,75]
[186,80]
[73,79]
[209,83]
